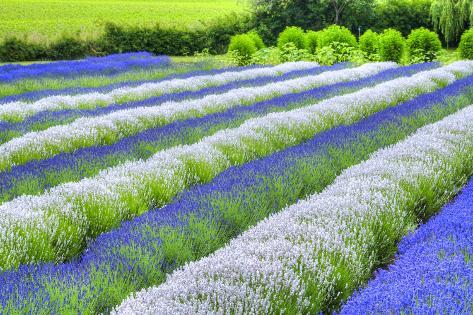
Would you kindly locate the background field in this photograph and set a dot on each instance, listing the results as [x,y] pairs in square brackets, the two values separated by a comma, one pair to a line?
[39,20]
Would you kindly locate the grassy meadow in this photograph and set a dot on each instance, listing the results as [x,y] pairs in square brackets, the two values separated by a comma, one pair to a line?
[39,20]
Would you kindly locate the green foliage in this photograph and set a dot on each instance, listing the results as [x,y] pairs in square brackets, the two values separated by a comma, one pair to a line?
[403,15]
[335,33]
[391,45]
[325,56]
[423,45]
[19,50]
[269,56]
[447,56]
[339,52]
[272,16]
[289,52]
[215,36]
[292,34]
[242,47]
[451,16]
[68,48]
[466,44]
[369,43]
[311,41]
[259,44]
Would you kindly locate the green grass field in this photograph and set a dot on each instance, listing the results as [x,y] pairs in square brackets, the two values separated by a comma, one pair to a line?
[43,20]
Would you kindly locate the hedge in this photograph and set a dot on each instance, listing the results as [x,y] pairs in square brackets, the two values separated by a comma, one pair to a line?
[116,39]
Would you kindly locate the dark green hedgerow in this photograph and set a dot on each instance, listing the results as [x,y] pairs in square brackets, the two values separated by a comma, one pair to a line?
[214,36]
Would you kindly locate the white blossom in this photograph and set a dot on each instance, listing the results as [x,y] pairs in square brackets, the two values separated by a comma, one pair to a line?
[128,189]
[85,132]
[21,110]
[312,237]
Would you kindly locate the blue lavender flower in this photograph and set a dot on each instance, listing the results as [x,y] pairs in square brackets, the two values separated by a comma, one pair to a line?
[129,257]
[35,95]
[433,271]
[109,65]
[183,132]
[51,118]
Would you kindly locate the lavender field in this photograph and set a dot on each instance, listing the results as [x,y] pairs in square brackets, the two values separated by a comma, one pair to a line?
[134,184]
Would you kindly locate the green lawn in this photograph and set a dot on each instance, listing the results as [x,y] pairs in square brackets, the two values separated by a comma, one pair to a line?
[41,20]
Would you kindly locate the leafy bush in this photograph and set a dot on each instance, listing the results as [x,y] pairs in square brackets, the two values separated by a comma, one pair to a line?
[466,44]
[180,42]
[242,47]
[335,33]
[423,45]
[259,44]
[67,48]
[311,41]
[14,49]
[339,52]
[294,35]
[270,55]
[391,45]
[289,52]
[369,43]
[325,56]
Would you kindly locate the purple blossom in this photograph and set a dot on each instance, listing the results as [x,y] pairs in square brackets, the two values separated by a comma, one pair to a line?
[30,283]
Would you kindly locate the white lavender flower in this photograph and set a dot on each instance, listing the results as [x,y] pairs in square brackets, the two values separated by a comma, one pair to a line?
[60,219]
[102,130]
[299,254]
[21,110]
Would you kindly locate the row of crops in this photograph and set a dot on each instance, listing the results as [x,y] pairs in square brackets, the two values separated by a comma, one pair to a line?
[131,184]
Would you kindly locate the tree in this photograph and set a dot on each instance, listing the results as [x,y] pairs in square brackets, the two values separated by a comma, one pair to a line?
[338,7]
[272,16]
[451,17]
[403,15]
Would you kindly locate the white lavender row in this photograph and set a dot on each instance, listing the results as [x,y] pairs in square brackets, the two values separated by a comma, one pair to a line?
[302,259]
[16,111]
[55,225]
[109,128]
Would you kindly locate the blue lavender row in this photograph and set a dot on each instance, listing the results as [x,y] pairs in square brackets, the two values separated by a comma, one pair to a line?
[35,95]
[122,253]
[8,68]
[84,159]
[110,65]
[57,117]
[433,273]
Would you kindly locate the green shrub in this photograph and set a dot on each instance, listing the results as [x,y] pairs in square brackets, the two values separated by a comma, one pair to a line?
[267,56]
[325,56]
[14,49]
[339,52]
[214,36]
[67,48]
[369,43]
[335,33]
[289,52]
[311,41]
[294,35]
[466,44]
[423,45]
[242,47]
[391,45]
[259,44]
